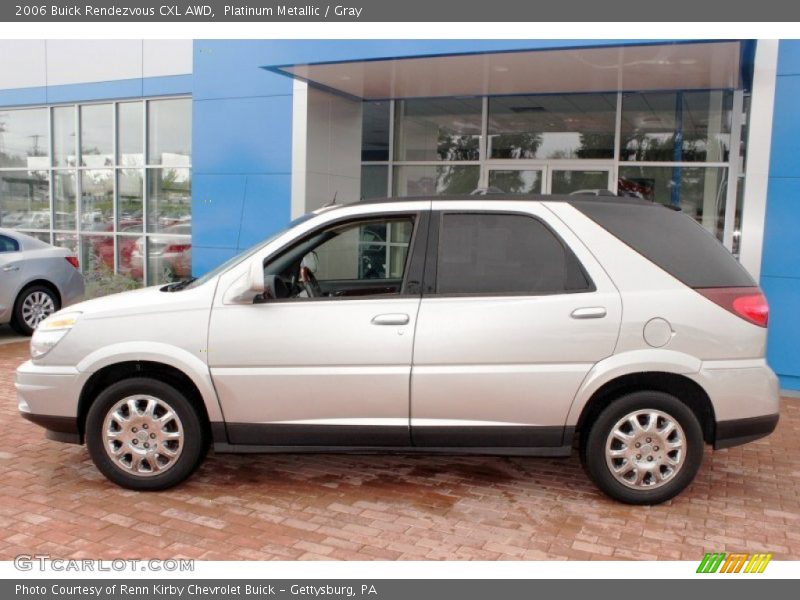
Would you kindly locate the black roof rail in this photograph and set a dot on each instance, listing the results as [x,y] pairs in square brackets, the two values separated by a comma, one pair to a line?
[491,197]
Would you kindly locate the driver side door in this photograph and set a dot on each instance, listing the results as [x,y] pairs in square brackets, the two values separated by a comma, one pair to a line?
[330,368]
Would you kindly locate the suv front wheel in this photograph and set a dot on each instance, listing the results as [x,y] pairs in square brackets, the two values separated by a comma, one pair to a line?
[144,434]
[644,448]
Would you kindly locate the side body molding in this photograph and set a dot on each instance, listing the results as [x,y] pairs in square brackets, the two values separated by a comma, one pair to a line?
[628,363]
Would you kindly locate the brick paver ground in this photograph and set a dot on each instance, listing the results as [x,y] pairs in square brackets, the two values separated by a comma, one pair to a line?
[52,500]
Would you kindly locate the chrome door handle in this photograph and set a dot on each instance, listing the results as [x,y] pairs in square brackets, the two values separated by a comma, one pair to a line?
[390,319]
[590,312]
[11,268]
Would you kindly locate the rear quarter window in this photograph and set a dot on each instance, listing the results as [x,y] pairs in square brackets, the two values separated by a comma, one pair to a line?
[670,239]
[8,244]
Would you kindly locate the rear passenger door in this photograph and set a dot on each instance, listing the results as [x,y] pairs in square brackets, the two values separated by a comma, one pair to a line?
[514,313]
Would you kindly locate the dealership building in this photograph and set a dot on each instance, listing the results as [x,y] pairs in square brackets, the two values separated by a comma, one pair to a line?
[158,159]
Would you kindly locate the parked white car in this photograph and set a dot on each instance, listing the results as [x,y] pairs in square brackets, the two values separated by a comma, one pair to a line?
[36,279]
[478,324]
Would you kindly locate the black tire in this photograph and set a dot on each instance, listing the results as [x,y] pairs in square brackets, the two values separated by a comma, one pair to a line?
[593,447]
[194,442]
[18,323]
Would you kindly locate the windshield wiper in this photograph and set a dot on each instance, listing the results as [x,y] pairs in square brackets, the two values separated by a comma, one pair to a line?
[178,285]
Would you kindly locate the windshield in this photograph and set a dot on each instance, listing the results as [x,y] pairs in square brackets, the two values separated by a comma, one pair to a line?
[245,253]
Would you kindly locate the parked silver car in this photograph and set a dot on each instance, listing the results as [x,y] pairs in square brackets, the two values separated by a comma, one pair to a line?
[478,324]
[36,279]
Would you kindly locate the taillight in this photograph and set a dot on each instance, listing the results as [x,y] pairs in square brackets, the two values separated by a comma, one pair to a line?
[73,260]
[746,302]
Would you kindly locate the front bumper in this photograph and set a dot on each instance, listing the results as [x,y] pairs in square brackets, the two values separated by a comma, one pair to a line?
[48,396]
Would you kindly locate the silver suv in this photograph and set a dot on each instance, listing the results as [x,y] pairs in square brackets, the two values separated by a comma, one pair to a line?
[478,324]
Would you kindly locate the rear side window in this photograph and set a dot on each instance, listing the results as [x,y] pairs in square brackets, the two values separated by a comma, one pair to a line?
[483,253]
[7,244]
[672,240]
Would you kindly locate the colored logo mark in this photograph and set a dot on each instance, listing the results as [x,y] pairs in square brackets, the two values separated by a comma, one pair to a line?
[719,562]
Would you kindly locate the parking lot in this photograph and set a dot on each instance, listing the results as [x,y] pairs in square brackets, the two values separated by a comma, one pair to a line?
[53,501]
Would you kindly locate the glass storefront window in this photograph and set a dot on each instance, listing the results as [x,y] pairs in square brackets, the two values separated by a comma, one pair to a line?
[438,129]
[97,254]
[97,139]
[516,181]
[169,129]
[68,241]
[24,139]
[435,179]
[375,131]
[169,200]
[552,126]
[130,133]
[169,255]
[700,192]
[129,256]
[24,200]
[374,181]
[569,181]
[64,199]
[130,191]
[676,126]
[106,227]
[64,136]
[97,200]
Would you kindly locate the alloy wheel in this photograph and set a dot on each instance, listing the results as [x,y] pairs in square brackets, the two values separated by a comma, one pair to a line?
[645,449]
[143,435]
[36,307]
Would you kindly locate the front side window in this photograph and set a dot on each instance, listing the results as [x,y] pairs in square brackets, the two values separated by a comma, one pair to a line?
[365,258]
[485,253]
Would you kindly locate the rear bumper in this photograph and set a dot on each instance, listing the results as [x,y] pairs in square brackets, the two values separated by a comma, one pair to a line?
[745,397]
[736,432]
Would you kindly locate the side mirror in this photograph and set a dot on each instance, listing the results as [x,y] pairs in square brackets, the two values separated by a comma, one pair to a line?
[249,285]
[255,277]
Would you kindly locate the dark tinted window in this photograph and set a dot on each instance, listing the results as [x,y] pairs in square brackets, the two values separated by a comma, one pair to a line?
[7,244]
[670,239]
[500,253]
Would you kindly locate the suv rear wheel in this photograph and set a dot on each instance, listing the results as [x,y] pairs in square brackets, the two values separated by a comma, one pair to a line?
[644,448]
[144,434]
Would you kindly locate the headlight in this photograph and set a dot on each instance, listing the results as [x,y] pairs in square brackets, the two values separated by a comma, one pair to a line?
[51,331]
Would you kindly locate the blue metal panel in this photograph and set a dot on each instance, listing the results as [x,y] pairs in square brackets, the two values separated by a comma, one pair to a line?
[242,135]
[789,57]
[217,209]
[98,90]
[167,85]
[786,128]
[204,259]
[780,266]
[101,90]
[783,351]
[266,209]
[23,96]
[781,255]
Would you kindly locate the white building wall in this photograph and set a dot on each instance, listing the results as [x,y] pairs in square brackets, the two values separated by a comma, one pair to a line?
[326,153]
[37,63]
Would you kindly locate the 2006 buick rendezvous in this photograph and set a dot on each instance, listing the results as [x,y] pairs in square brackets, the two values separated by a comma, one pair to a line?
[486,325]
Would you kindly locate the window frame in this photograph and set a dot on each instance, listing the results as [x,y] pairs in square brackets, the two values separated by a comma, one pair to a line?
[415,260]
[429,286]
